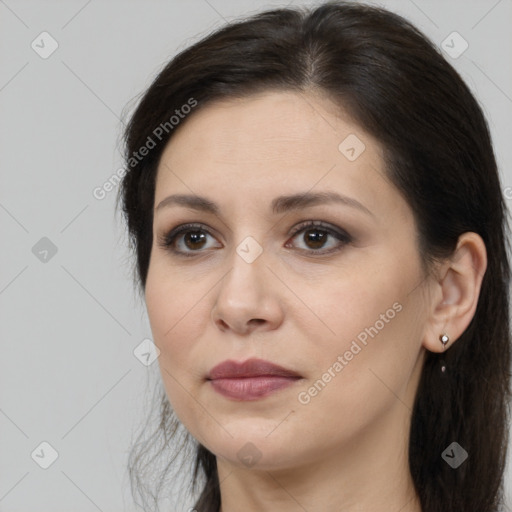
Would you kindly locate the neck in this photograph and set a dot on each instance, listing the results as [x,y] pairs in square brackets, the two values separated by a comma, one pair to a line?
[370,474]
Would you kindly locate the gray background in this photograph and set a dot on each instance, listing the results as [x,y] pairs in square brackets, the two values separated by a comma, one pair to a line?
[70,323]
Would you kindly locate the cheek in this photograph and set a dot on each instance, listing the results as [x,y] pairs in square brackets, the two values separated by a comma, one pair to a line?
[374,352]
[353,305]
[372,320]
[177,319]
[177,315]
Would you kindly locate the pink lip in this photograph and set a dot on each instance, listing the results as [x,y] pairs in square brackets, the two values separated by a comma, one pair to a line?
[250,380]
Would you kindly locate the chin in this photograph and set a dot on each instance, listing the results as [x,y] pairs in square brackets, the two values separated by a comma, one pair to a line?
[252,447]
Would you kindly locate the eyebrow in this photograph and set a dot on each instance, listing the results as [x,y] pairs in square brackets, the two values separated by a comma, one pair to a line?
[279,205]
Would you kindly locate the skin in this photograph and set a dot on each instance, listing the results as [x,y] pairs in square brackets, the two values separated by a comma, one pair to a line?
[347,448]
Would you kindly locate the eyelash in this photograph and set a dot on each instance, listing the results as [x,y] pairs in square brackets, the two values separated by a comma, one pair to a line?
[167,240]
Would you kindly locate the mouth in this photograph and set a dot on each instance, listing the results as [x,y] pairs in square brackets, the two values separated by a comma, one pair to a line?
[250,380]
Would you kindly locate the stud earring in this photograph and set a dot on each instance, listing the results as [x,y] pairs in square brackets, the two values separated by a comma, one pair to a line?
[444,339]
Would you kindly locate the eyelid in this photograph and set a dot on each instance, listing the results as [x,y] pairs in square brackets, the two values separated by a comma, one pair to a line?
[319,224]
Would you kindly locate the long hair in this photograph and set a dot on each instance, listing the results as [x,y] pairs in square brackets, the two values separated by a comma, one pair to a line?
[394,83]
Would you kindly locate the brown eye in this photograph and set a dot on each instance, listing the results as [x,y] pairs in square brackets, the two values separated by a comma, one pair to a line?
[187,240]
[319,238]
[194,239]
[315,238]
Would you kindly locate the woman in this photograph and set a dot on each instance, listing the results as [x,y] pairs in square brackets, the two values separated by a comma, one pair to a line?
[320,236]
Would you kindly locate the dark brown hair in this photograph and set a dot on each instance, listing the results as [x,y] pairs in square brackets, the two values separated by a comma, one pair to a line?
[396,85]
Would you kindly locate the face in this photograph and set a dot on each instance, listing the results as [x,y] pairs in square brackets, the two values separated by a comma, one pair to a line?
[328,285]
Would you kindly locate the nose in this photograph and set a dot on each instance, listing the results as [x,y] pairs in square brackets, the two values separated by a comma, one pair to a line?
[248,299]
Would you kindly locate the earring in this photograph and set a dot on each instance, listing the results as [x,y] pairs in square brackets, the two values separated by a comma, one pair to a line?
[444,339]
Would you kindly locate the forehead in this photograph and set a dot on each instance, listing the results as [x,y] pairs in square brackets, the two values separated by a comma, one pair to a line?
[286,140]
[268,132]
[269,126]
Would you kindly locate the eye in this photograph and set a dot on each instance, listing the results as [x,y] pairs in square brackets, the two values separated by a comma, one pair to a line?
[186,239]
[318,235]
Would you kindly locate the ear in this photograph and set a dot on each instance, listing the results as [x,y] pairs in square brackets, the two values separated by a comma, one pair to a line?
[456,292]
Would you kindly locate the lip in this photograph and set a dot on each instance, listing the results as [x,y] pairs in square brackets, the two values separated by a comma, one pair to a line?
[250,380]
[251,368]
